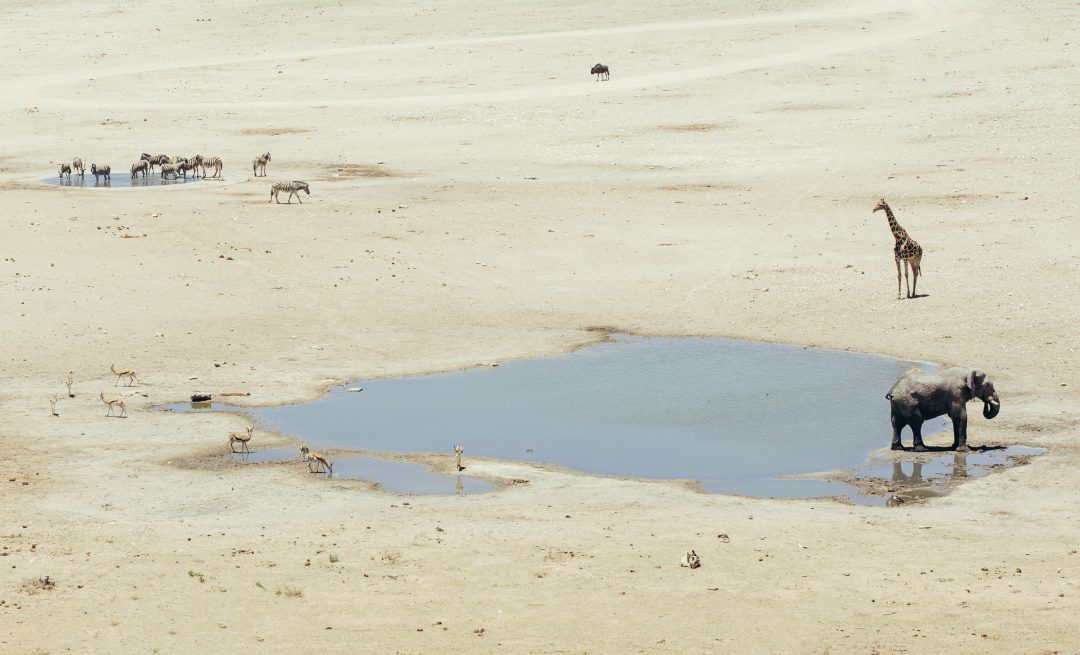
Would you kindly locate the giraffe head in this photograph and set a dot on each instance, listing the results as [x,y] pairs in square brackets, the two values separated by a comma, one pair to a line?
[881,205]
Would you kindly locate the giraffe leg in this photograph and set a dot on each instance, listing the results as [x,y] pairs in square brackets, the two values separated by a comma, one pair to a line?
[907,287]
[916,268]
[898,278]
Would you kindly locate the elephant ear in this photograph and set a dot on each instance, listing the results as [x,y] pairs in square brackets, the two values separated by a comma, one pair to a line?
[975,380]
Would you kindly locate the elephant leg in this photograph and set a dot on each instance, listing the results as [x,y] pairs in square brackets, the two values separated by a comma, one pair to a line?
[959,425]
[916,429]
[897,426]
[961,445]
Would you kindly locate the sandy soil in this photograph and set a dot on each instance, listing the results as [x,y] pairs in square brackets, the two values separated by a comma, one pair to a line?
[477,197]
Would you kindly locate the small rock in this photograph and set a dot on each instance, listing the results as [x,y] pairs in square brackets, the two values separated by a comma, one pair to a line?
[355,389]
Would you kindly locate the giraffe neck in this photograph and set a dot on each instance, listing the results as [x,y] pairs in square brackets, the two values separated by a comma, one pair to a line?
[898,232]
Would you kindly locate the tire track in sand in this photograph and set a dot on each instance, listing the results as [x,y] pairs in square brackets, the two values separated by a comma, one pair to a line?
[925,16]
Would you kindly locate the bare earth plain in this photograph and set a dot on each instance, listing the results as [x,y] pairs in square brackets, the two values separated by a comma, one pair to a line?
[478,197]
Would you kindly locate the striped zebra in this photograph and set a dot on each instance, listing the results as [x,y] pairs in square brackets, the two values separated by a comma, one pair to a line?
[105,171]
[211,162]
[153,160]
[294,188]
[142,166]
[168,172]
[183,165]
[76,164]
[65,168]
[260,163]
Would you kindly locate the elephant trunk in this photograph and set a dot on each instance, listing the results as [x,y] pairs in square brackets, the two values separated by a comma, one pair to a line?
[991,408]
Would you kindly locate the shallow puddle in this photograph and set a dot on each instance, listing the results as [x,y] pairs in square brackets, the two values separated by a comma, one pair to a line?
[120,180]
[735,416]
[401,477]
[899,478]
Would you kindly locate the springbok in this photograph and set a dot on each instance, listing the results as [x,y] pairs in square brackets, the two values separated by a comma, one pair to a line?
[114,402]
[457,451]
[241,437]
[316,462]
[129,374]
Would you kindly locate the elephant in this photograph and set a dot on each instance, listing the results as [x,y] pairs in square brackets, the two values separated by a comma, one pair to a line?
[918,396]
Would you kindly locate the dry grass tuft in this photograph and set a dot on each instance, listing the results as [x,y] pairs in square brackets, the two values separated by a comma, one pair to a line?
[37,585]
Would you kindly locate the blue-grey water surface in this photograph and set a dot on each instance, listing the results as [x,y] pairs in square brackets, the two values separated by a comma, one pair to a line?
[119,180]
[729,413]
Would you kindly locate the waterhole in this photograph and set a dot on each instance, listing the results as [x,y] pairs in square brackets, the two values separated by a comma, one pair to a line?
[732,416]
[118,180]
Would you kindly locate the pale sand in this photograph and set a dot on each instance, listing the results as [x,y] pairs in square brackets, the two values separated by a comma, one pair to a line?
[497,203]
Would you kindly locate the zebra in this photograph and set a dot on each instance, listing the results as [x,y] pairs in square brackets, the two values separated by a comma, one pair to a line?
[76,164]
[183,165]
[105,171]
[293,188]
[260,162]
[168,171]
[141,165]
[211,162]
[195,162]
[155,160]
[65,168]
[601,72]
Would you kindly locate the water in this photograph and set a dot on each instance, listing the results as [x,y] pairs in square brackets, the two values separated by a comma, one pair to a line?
[735,416]
[120,180]
[401,477]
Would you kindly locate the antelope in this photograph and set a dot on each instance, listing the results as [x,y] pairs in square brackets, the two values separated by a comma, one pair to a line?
[242,438]
[52,401]
[114,402]
[457,451]
[321,462]
[77,165]
[69,380]
[65,168]
[129,374]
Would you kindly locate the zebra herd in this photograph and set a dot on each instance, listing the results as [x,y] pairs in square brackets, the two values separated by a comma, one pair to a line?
[172,168]
[175,167]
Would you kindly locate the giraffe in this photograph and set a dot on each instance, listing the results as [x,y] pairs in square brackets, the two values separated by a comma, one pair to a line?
[906,249]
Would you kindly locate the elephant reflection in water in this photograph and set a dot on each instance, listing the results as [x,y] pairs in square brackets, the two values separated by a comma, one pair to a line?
[911,487]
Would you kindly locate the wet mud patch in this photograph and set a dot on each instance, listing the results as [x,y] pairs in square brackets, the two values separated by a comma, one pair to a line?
[706,186]
[273,131]
[805,107]
[698,127]
[352,171]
